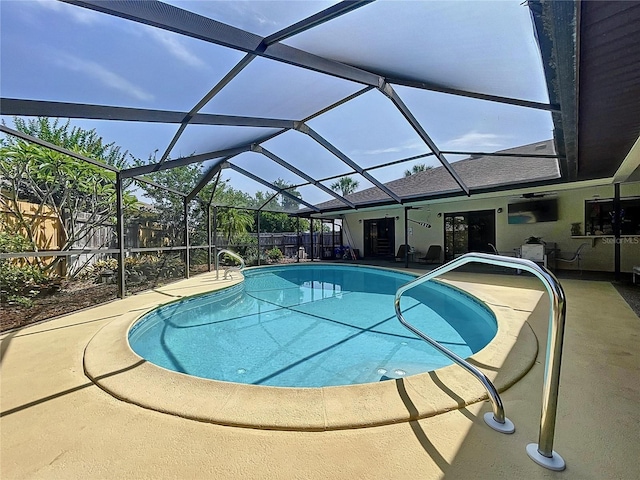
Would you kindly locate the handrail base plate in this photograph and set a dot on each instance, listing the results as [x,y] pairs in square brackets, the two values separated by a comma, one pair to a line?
[556,462]
[506,427]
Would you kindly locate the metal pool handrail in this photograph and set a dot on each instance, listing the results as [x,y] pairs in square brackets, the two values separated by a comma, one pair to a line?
[542,452]
[231,253]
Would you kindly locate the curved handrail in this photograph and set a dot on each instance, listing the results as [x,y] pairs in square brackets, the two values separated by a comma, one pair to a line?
[551,383]
[233,254]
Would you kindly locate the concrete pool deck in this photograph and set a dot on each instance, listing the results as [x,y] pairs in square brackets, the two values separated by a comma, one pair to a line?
[57,423]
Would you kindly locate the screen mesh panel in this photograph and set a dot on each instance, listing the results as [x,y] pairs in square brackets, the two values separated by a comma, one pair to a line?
[82,56]
[486,47]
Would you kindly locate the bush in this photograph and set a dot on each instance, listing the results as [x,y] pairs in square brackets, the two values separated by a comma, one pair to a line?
[12,242]
[275,254]
[244,245]
[251,256]
[137,269]
[153,266]
[198,257]
[20,282]
[97,268]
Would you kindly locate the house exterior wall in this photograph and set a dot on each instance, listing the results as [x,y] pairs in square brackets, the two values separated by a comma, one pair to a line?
[571,209]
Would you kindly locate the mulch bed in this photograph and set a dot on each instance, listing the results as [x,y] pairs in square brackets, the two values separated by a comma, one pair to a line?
[71,297]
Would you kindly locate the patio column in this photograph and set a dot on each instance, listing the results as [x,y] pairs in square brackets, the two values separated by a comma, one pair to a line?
[209,237]
[311,220]
[215,239]
[617,229]
[333,238]
[258,230]
[185,204]
[406,237]
[120,235]
[297,239]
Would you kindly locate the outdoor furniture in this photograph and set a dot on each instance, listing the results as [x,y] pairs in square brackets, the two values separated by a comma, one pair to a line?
[495,251]
[402,252]
[433,254]
[577,257]
[513,253]
[541,253]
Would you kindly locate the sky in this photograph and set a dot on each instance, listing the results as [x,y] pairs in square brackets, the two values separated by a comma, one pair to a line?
[54,51]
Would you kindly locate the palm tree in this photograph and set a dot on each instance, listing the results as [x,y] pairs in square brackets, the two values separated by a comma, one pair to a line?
[419,167]
[233,221]
[346,185]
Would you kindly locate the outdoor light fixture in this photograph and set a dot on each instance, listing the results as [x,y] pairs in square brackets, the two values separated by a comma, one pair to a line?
[500,210]
[439,215]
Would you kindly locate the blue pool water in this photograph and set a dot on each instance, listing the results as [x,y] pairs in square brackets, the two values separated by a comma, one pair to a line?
[312,326]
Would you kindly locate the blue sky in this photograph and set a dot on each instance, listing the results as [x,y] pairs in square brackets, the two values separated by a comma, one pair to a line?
[54,51]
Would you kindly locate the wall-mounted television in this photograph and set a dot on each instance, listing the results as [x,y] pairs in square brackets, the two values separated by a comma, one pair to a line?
[533,211]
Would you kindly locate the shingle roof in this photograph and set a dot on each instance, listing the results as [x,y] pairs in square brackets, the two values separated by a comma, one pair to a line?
[476,171]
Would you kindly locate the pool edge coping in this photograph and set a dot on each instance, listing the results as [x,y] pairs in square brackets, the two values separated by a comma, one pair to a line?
[111,364]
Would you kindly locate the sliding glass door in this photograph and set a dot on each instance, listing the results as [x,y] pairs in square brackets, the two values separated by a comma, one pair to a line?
[468,232]
[379,237]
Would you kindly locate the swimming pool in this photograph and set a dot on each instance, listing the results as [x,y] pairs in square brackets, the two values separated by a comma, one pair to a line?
[312,326]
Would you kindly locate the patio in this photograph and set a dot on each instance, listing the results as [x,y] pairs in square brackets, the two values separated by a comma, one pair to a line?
[57,424]
[358,112]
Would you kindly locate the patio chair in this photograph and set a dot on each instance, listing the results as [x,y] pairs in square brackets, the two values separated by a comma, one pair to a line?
[495,251]
[402,252]
[577,257]
[433,254]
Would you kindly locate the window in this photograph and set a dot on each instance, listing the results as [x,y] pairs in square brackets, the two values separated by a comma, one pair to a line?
[600,216]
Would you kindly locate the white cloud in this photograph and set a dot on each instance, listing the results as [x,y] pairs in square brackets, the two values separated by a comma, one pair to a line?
[79,14]
[101,74]
[174,46]
[475,140]
[412,146]
[246,13]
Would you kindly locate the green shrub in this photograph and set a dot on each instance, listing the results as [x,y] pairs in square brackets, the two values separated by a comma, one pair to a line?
[198,257]
[275,254]
[154,266]
[11,241]
[251,256]
[20,282]
[138,269]
[244,245]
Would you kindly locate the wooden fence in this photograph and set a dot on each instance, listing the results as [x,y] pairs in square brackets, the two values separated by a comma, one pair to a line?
[49,234]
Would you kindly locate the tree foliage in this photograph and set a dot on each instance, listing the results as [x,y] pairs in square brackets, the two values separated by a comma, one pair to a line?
[288,204]
[346,185]
[271,219]
[83,196]
[273,222]
[419,167]
[167,208]
[233,222]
